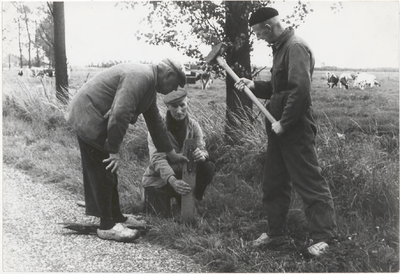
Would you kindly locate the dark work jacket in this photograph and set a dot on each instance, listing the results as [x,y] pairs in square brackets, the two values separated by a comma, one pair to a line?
[290,85]
[103,108]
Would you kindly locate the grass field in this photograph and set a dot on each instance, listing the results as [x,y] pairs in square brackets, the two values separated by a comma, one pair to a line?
[357,147]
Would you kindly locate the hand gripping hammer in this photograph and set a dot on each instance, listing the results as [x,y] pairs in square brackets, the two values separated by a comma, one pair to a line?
[214,56]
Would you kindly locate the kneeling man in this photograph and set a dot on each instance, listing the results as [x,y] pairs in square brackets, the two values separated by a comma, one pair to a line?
[162,180]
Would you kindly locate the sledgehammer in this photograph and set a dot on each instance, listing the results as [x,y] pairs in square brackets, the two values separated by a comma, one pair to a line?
[214,56]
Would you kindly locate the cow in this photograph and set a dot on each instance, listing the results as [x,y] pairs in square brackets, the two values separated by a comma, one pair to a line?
[332,79]
[365,79]
[41,72]
[49,72]
[206,79]
[344,79]
[36,71]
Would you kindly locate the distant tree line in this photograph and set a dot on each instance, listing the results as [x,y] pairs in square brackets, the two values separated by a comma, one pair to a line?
[334,68]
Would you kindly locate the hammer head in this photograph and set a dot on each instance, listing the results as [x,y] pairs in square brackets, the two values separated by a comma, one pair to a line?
[215,52]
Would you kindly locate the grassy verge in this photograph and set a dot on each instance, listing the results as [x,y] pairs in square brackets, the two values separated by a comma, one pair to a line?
[357,147]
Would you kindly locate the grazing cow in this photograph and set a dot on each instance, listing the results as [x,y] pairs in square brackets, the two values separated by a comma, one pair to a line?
[332,79]
[49,72]
[206,79]
[344,80]
[365,79]
[36,71]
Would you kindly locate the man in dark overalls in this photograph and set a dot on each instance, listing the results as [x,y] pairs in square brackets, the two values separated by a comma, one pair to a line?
[291,155]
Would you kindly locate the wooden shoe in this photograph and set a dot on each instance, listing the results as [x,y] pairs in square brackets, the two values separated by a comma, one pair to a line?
[119,233]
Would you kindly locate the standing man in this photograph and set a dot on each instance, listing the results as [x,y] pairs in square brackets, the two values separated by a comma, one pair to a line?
[162,180]
[291,155]
[100,114]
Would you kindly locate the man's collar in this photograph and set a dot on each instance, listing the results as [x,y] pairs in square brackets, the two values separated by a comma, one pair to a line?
[282,38]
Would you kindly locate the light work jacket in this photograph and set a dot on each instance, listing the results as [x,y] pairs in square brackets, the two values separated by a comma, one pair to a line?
[160,169]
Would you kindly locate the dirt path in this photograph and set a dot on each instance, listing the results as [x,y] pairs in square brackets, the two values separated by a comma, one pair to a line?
[34,242]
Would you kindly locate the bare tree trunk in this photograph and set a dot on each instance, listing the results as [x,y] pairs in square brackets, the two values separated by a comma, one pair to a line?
[60,53]
[20,45]
[238,58]
[26,19]
[37,63]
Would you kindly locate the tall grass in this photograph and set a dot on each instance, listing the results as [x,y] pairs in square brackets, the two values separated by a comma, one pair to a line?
[36,137]
[357,157]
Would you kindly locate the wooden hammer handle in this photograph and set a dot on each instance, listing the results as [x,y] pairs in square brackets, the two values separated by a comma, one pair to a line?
[248,92]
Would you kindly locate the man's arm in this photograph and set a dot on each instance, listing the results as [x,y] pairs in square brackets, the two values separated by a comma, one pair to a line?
[128,97]
[262,89]
[159,160]
[200,154]
[157,128]
[160,164]
[299,85]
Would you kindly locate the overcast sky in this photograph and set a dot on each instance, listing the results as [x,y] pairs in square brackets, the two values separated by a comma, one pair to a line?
[363,34]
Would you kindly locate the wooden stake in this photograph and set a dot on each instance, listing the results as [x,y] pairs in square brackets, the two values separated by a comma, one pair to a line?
[188,210]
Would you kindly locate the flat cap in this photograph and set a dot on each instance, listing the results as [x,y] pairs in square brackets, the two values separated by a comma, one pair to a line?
[262,15]
[175,96]
[177,67]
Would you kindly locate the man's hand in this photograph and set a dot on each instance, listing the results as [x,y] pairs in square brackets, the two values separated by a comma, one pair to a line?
[277,128]
[179,186]
[175,157]
[113,160]
[239,85]
[198,155]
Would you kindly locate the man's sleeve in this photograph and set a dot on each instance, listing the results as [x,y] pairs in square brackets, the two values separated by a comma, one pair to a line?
[159,161]
[299,85]
[263,89]
[128,97]
[199,137]
[157,128]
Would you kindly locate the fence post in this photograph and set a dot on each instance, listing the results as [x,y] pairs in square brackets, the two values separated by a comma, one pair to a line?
[188,210]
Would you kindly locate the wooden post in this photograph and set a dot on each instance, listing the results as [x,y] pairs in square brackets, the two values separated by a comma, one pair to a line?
[188,210]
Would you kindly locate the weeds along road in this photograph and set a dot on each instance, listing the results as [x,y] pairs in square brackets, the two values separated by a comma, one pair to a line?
[34,241]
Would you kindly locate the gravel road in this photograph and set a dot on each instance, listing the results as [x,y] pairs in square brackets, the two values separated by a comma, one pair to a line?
[33,241]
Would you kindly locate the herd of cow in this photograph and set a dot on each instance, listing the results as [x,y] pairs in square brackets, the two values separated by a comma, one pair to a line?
[41,72]
[37,71]
[360,80]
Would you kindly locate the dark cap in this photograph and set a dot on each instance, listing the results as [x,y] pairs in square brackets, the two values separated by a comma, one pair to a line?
[175,96]
[262,15]
[177,67]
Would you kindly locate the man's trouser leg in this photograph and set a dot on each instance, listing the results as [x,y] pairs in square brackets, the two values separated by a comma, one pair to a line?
[100,185]
[158,200]
[204,175]
[302,163]
[276,189]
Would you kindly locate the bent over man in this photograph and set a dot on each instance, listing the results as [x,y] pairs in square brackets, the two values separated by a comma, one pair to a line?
[291,159]
[162,180]
[100,114]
